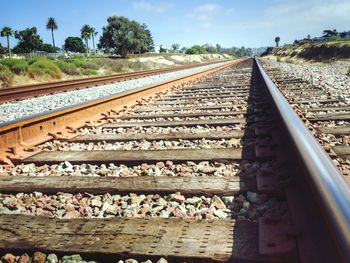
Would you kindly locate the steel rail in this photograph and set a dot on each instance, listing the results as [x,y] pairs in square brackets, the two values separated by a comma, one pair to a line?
[329,185]
[22,92]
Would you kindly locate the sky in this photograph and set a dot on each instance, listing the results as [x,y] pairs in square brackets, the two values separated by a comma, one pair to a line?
[249,23]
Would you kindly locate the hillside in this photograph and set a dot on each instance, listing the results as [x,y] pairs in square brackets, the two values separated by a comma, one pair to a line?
[311,51]
[20,71]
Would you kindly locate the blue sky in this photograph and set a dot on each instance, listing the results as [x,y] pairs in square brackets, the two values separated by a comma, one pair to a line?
[249,23]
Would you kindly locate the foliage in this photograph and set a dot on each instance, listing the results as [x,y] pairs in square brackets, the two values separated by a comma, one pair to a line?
[89,71]
[48,48]
[149,40]
[79,62]
[68,68]
[328,33]
[86,32]
[196,49]
[123,36]
[161,49]
[44,67]
[74,44]
[335,38]
[6,76]
[277,40]
[278,59]
[7,32]
[2,50]
[175,47]
[28,40]
[51,25]
[17,66]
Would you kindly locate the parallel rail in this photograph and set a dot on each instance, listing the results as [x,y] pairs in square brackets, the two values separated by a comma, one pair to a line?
[22,92]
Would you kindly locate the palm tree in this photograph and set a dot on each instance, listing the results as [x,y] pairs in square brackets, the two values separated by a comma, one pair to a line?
[86,33]
[277,40]
[93,34]
[7,32]
[52,25]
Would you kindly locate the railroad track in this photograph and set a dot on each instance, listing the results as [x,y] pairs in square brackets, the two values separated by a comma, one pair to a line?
[27,91]
[204,168]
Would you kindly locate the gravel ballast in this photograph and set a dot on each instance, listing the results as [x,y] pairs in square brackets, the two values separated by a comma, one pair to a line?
[14,110]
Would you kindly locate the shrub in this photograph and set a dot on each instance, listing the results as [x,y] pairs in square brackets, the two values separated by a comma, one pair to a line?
[348,72]
[278,59]
[78,62]
[89,71]
[44,67]
[17,66]
[91,65]
[68,68]
[6,76]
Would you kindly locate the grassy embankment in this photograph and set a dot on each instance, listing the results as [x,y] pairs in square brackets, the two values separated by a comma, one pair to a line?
[312,51]
[15,71]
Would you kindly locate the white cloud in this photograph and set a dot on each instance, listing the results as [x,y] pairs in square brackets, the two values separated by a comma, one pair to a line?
[152,8]
[205,12]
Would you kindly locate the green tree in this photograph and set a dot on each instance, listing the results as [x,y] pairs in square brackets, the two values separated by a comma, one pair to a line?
[196,49]
[48,48]
[28,40]
[149,39]
[86,33]
[123,36]
[277,40]
[328,33]
[2,50]
[52,25]
[7,32]
[74,44]
[175,47]
[93,34]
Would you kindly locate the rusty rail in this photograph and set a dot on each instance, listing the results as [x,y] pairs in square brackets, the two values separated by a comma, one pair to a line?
[22,92]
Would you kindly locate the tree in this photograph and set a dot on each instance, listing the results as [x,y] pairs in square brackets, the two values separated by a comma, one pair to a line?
[7,32]
[328,33]
[2,50]
[196,49]
[86,32]
[218,48]
[175,47]
[74,44]
[28,40]
[52,25]
[149,39]
[48,48]
[93,34]
[123,36]
[277,40]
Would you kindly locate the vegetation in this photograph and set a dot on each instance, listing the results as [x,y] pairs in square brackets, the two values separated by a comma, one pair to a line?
[74,44]
[123,37]
[277,40]
[86,33]
[52,25]
[67,67]
[17,66]
[2,50]
[7,32]
[44,67]
[6,76]
[28,40]
[196,49]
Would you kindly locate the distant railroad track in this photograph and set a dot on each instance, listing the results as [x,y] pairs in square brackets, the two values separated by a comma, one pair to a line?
[22,92]
[216,166]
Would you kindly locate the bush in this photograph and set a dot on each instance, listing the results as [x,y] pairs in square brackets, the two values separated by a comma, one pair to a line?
[89,72]
[91,65]
[17,66]
[6,76]
[78,62]
[348,72]
[278,59]
[68,68]
[44,67]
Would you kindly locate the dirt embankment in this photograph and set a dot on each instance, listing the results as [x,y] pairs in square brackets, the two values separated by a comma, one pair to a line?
[312,51]
[20,71]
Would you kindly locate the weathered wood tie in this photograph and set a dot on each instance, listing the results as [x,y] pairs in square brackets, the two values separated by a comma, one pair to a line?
[330,116]
[228,121]
[337,130]
[142,184]
[220,240]
[178,107]
[137,156]
[159,136]
[190,114]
